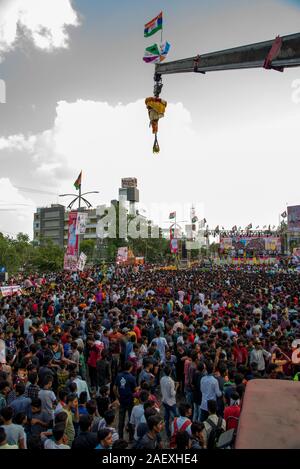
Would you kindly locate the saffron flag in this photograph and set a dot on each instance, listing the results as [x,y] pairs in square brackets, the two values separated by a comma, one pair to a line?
[172,215]
[154,25]
[77,183]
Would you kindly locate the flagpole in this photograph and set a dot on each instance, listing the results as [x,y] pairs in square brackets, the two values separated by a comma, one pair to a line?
[79,206]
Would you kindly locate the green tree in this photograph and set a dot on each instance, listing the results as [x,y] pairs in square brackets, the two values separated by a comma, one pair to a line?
[88,247]
[47,257]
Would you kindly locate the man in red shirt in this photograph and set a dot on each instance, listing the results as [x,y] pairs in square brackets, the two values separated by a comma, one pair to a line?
[240,353]
[232,412]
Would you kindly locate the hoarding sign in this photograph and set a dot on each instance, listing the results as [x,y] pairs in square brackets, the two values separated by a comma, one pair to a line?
[129,182]
[251,243]
[294,219]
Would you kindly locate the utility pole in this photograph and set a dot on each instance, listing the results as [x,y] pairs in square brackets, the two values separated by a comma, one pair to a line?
[79,197]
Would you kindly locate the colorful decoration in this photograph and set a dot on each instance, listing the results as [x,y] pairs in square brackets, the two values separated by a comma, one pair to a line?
[156,110]
[155,54]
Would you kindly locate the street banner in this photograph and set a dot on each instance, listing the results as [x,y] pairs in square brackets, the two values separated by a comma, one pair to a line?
[72,247]
[81,261]
[81,223]
[11,290]
[294,218]
[174,246]
[70,262]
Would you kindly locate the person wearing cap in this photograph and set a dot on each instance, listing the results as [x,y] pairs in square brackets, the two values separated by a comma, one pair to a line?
[258,355]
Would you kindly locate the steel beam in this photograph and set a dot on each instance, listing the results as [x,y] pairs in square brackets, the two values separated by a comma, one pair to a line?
[244,57]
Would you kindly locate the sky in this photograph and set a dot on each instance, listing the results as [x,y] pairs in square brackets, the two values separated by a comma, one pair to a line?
[75,90]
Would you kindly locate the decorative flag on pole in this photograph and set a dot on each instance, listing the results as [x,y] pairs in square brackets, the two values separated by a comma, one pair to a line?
[172,215]
[284,214]
[154,25]
[77,183]
[152,54]
[164,50]
[155,54]
[194,219]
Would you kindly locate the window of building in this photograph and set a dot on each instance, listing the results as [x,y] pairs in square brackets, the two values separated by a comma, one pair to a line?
[52,214]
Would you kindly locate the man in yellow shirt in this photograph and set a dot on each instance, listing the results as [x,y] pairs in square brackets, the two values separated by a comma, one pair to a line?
[71,404]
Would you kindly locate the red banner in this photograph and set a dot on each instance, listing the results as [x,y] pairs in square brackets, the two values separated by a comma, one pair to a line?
[72,248]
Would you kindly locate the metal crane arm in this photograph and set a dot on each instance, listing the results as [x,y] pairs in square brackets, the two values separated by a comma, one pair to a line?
[269,54]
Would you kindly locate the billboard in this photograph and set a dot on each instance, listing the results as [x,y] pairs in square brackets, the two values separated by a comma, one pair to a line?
[72,247]
[129,182]
[294,219]
[251,243]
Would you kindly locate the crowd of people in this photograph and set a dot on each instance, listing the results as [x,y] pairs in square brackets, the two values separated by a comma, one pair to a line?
[138,357]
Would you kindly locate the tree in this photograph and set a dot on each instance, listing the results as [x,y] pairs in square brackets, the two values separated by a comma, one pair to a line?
[88,247]
[47,257]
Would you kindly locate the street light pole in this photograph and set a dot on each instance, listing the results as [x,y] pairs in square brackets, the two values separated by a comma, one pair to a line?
[79,197]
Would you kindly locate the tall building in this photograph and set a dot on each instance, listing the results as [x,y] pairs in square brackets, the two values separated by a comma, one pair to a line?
[52,223]
[129,194]
[48,223]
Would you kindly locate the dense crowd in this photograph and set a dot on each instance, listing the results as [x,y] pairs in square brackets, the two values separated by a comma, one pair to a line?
[138,357]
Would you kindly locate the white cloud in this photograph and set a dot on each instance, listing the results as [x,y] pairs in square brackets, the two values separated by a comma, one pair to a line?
[42,21]
[239,178]
[16,210]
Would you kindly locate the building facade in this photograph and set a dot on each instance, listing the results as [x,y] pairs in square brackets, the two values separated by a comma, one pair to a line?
[52,223]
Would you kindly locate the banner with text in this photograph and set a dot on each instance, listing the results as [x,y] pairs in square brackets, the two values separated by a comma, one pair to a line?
[81,223]
[72,248]
[11,290]
[81,261]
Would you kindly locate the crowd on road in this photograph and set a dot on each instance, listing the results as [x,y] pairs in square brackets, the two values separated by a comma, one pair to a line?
[138,357]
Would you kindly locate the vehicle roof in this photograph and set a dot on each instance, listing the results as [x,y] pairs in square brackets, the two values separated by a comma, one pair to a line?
[270,417]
